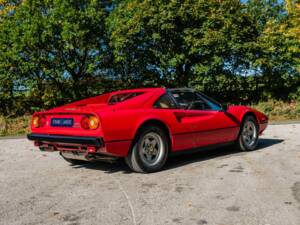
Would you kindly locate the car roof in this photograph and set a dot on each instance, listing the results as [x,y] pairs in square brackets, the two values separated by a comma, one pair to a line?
[180,89]
[137,90]
[151,89]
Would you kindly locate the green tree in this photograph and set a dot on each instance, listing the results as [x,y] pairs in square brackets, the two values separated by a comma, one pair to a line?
[278,58]
[55,48]
[182,43]
[56,51]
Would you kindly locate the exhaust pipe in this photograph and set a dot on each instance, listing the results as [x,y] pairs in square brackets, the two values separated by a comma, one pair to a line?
[87,157]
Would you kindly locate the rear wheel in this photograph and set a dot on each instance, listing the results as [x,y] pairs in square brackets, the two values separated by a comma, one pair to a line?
[248,137]
[150,150]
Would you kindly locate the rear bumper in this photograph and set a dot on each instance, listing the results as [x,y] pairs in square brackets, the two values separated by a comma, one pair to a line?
[94,141]
[92,145]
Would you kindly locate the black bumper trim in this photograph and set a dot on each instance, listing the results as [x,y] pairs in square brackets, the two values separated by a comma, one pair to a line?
[98,142]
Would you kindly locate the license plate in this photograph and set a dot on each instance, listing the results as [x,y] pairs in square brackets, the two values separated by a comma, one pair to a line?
[62,122]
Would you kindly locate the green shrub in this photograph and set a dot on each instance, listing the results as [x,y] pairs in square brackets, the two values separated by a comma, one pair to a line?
[14,126]
[2,125]
[279,110]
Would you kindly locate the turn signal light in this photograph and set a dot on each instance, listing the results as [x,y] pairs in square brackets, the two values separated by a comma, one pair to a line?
[38,121]
[90,122]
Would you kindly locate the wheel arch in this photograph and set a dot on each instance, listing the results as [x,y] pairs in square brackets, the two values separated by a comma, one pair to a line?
[247,113]
[154,122]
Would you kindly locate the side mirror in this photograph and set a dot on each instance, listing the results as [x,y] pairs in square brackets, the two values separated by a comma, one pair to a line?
[224,107]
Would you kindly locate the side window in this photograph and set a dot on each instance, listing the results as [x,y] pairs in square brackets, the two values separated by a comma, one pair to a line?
[190,100]
[212,104]
[200,104]
[184,98]
[165,102]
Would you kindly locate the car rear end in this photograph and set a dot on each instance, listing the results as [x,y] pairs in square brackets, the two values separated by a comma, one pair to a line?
[93,128]
[76,134]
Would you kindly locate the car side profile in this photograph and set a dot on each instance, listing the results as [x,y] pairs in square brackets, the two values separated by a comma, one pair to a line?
[144,126]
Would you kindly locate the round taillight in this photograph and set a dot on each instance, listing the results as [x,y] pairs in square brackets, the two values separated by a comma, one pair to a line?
[90,122]
[38,121]
[85,123]
[93,122]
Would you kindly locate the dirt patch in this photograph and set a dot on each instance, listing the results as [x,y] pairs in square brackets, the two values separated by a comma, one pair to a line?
[70,218]
[149,185]
[177,220]
[222,166]
[233,208]
[179,189]
[238,169]
[202,222]
[296,191]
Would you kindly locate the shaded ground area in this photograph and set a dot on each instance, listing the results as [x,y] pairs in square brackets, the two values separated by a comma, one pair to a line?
[219,186]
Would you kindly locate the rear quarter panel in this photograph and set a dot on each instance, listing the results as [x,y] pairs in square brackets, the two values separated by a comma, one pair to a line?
[123,124]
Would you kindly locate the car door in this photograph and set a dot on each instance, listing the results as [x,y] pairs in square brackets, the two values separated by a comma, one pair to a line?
[208,123]
[180,126]
[213,125]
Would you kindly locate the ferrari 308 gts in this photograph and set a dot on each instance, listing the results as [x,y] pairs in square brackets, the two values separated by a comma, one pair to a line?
[144,126]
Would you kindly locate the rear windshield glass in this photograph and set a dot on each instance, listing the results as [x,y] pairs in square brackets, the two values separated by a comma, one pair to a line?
[123,97]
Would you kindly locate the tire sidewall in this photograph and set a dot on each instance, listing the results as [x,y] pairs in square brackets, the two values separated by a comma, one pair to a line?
[136,149]
[242,145]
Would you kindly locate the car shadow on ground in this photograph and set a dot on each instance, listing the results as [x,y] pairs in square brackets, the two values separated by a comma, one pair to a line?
[217,153]
[182,160]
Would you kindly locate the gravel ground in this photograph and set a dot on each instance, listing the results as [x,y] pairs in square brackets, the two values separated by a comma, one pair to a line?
[221,187]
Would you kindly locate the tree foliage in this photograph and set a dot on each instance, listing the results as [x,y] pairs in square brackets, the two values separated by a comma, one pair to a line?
[225,48]
[55,51]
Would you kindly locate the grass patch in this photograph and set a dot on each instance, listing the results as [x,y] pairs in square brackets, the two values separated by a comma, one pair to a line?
[14,126]
[279,110]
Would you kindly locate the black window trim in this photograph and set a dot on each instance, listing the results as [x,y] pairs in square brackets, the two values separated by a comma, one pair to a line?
[161,96]
[204,97]
[208,99]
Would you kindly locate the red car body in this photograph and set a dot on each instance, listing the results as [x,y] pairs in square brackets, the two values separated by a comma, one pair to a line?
[120,123]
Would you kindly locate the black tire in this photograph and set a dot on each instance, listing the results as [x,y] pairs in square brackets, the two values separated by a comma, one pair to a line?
[74,161]
[137,160]
[242,144]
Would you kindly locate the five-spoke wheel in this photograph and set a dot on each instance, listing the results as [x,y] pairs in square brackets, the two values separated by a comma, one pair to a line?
[151,148]
[149,151]
[248,137]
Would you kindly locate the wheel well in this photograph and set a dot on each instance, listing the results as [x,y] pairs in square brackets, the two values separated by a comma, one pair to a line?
[158,123]
[244,116]
[250,114]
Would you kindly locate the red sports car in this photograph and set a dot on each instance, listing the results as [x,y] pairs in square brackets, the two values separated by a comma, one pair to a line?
[144,126]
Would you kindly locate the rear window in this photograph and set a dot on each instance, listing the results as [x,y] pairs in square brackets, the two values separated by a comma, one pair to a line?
[123,97]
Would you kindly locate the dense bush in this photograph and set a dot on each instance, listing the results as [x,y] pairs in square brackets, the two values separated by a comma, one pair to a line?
[14,126]
[278,110]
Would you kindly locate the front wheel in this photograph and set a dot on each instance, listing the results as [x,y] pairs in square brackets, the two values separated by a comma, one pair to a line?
[248,137]
[150,150]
